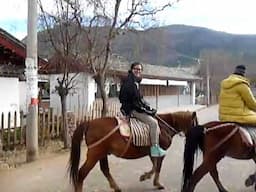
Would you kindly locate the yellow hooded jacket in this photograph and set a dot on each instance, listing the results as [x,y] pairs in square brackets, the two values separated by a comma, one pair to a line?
[236,101]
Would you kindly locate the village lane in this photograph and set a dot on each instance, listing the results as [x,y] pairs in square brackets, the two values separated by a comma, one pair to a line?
[49,173]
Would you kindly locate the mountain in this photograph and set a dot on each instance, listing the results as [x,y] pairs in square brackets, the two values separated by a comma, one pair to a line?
[178,44]
[174,45]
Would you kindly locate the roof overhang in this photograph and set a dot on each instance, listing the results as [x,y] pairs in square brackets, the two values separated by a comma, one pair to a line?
[177,83]
[146,81]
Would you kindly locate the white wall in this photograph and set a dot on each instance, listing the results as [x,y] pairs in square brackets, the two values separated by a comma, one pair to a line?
[91,90]
[23,96]
[83,95]
[9,98]
[168,101]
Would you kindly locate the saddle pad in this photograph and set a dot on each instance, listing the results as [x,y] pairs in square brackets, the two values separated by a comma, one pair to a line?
[137,129]
[250,134]
[140,133]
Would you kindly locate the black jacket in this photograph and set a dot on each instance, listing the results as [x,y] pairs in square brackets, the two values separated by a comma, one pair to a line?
[131,98]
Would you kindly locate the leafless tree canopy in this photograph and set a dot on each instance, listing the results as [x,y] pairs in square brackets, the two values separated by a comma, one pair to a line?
[85,29]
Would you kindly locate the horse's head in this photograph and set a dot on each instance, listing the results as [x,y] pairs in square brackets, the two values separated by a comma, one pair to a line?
[181,121]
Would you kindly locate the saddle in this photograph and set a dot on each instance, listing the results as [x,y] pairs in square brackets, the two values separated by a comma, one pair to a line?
[248,134]
[137,130]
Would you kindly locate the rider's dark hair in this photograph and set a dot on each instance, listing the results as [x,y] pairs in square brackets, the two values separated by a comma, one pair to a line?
[240,70]
[135,64]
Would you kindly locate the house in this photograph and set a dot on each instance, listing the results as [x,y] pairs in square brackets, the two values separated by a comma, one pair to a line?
[12,78]
[175,86]
[172,86]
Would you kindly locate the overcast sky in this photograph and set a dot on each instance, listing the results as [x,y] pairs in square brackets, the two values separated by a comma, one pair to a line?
[223,15]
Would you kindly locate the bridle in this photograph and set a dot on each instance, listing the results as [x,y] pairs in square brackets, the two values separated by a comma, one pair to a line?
[194,123]
[166,124]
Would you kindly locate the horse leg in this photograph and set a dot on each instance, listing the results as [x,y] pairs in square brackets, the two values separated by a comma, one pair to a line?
[105,169]
[215,176]
[84,171]
[251,178]
[208,165]
[148,175]
[156,183]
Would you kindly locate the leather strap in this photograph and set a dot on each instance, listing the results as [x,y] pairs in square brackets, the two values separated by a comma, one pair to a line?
[104,138]
[127,146]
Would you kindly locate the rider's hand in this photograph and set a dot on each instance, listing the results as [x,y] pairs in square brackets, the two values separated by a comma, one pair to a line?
[154,111]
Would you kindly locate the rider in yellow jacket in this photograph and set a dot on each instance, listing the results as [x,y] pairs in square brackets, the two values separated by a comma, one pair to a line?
[236,101]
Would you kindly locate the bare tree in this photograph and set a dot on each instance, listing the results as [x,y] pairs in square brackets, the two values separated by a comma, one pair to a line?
[110,19]
[220,64]
[63,34]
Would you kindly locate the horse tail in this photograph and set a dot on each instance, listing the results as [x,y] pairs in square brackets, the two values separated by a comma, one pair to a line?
[76,151]
[194,141]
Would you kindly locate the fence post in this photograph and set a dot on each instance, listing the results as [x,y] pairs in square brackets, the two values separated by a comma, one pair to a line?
[9,130]
[53,123]
[43,128]
[71,123]
[57,123]
[22,135]
[2,134]
[15,129]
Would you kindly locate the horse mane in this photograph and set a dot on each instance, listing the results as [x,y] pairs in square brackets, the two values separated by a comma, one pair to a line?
[184,119]
[180,119]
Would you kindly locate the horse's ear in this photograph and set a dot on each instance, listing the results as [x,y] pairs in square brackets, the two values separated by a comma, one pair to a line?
[194,119]
[193,114]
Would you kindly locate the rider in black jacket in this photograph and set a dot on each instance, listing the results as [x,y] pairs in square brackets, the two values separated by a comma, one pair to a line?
[133,104]
[131,98]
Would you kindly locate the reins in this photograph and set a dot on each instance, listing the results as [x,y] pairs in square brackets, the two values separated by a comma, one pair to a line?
[217,127]
[227,137]
[166,124]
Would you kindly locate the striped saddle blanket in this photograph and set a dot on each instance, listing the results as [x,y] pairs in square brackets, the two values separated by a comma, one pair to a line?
[136,129]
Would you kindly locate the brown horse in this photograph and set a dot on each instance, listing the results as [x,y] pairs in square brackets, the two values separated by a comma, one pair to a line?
[216,140]
[113,143]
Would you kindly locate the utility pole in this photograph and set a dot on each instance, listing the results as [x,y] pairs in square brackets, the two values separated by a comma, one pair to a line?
[32,81]
[208,82]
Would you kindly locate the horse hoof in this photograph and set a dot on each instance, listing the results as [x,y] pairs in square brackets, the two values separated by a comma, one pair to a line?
[158,186]
[144,177]
[249,181]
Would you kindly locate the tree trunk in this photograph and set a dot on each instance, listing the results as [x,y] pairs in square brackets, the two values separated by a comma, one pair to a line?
[1,147]
[100,80]
[66,137]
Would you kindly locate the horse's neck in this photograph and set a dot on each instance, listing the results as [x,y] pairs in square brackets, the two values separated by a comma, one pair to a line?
[167,119]
[170,132]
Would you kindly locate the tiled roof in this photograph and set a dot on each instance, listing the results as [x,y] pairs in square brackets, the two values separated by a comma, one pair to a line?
[121,66]
[16,46]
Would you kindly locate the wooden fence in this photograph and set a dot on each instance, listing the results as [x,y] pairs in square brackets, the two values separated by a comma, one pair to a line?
[13,134]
